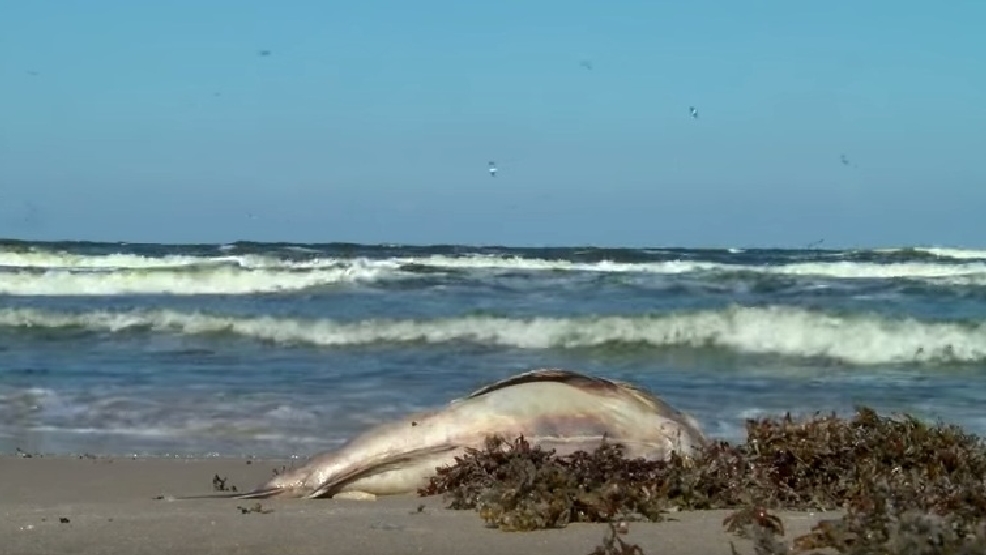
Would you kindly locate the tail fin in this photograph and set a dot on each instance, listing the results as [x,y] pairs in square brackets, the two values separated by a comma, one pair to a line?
[260,493]
[255,494]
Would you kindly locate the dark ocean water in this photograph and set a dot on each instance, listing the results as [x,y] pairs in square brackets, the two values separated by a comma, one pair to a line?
[280,349]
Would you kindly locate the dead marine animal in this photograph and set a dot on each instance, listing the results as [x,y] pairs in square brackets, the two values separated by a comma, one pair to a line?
[553,409]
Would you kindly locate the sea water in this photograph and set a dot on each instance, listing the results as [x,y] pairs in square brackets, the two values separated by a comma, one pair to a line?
[288,349]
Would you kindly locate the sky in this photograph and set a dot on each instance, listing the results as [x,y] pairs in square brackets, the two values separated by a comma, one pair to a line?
[374,122]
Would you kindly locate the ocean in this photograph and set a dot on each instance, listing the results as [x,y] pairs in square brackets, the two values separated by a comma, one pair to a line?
[288,349]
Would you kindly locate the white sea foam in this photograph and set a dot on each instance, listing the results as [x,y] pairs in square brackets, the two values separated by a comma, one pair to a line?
[65,260]
[943,252]
[193,281]
[78,419]
[959,254]
[48,273]
[851,339]
[870,270]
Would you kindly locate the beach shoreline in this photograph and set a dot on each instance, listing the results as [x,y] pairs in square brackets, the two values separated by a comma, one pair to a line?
[112,505]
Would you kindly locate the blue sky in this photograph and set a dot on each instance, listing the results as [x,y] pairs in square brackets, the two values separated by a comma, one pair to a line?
[373,121]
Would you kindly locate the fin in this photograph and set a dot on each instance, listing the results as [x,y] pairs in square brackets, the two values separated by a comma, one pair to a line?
[255,494]
[330,487]
[584,382]
[200,496]
[259,493]
[549,375]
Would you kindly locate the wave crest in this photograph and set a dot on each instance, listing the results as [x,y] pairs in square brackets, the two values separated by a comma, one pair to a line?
[53,274]
[854,339]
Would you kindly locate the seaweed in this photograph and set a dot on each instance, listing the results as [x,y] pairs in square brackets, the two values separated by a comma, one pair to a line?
[754,517]
[516,486]
[24,454]
[614,545]
[219,484]
[255,508]
[904,486]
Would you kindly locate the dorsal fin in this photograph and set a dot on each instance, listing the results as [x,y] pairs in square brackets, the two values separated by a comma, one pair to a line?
[585,382]
[549,375]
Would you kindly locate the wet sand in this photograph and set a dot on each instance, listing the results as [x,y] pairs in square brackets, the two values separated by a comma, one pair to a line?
[110,507]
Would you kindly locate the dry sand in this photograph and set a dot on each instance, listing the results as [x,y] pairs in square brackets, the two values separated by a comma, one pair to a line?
[110,507]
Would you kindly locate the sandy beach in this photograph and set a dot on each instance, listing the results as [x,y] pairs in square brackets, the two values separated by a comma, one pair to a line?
[110,507]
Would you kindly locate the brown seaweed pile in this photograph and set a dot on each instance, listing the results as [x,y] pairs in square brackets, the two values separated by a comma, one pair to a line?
[614,545]
[904,486]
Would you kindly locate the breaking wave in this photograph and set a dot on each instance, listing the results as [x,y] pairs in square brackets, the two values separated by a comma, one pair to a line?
[44,273]
[854,339]
[958,254]
[193,280]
